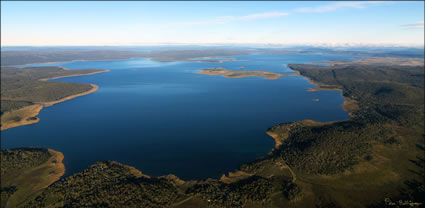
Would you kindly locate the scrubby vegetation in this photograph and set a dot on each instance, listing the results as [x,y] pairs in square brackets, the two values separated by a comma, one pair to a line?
[235,194]
[291,191]
[111,184]
[108,184]
[6,192]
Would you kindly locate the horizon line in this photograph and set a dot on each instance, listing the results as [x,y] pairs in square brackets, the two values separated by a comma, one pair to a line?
[270,45]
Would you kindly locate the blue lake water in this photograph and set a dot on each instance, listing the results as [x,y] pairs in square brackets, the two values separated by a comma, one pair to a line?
[165,118]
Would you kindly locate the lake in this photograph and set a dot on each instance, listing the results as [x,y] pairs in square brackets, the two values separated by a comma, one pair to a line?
[163,117]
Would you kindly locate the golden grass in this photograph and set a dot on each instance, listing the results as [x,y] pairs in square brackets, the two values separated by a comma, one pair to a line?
[234,176]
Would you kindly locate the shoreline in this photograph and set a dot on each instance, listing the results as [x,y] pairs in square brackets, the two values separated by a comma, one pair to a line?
[56,62]
[276,139]
[57,168]
[348,106]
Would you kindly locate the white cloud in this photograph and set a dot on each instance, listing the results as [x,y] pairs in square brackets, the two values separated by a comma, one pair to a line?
[229,19]
[337,6]
[416,25]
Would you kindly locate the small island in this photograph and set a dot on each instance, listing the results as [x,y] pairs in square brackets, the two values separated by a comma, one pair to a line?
[240,74]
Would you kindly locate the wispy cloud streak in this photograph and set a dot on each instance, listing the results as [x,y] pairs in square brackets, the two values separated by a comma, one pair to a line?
[230,19]
[337,6]
[267,15]
[416,25]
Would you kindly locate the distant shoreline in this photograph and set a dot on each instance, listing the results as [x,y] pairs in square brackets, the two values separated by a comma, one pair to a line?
[56,62]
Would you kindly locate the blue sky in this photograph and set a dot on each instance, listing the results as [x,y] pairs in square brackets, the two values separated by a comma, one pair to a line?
[140,23]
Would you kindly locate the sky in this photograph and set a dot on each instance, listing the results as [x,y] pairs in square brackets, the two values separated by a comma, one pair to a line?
[149,23]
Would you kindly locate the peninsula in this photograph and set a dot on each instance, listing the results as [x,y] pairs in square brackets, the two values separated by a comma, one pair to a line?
[25,91]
